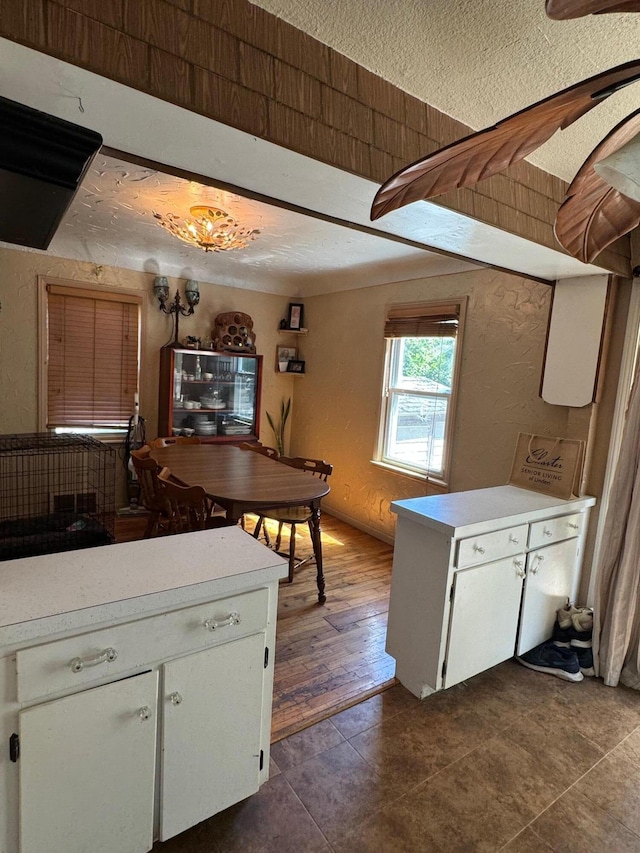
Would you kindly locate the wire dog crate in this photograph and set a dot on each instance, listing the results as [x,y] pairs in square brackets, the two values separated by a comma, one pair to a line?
[57,493]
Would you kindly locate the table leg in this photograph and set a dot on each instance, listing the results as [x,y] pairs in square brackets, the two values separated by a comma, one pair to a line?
[317,550]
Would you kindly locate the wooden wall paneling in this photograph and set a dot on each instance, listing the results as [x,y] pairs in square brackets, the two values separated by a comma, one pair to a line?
[157,23]
[24,22]
[383,164]
[354,155]
[170,77]
[230,103]
[380,95]
[257,69]
[241,19]
[416,115]
[302,51]
[297,90]
[343,113]
[343,74]
[185,5]
[209,47]
[110,13]
[97,47]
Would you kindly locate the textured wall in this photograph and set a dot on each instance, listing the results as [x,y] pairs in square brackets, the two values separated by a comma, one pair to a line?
[19,343]
[337,403]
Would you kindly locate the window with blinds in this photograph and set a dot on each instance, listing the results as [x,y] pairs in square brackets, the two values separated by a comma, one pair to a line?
[418,391]
[92,369]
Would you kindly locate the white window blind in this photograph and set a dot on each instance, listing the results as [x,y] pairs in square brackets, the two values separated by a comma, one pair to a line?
[92,357]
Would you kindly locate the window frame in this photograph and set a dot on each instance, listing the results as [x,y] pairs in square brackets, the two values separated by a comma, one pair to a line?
[386,397]
[114,434]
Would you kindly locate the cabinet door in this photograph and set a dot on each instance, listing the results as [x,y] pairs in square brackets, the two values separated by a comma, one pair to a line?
[212,712]
[551,576]
[484,618]
[87,768]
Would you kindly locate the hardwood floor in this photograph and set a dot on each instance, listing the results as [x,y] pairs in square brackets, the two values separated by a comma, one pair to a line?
[332,656]
[329,657]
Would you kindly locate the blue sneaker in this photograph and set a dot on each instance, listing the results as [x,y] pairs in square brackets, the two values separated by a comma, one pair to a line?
[553,660]
[585,660]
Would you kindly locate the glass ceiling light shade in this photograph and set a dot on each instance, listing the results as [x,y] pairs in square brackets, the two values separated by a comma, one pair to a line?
[621,170]
[209,228]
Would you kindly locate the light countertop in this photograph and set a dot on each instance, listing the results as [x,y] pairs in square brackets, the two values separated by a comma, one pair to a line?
[56,592]
[465,513]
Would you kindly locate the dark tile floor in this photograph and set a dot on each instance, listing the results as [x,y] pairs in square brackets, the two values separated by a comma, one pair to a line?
[511,760]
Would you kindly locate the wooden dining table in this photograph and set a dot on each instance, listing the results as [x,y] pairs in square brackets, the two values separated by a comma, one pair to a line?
[242,481]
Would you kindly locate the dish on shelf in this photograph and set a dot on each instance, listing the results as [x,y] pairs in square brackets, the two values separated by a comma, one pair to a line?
[212,402]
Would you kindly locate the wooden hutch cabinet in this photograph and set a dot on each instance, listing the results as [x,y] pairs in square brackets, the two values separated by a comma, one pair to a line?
[214,395]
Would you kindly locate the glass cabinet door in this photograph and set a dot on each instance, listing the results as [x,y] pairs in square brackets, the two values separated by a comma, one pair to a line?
[212,395]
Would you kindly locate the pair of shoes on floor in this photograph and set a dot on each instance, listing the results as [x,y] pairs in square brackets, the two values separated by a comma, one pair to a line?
[554,660]
[573,630]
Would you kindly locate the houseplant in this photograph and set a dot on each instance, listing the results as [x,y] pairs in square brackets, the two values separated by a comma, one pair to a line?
[278,429]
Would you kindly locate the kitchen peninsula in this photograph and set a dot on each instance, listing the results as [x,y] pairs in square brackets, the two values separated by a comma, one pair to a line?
[135,684]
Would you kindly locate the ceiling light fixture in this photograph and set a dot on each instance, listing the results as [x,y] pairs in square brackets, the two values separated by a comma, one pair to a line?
[209,228]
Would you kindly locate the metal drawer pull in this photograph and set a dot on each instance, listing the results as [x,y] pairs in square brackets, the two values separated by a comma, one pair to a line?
[144,713]
[519,569]
[478,549]
[232,619]
[107,656]
[536,564]
[573,526]
[513,539]
[547,532]
[175,698]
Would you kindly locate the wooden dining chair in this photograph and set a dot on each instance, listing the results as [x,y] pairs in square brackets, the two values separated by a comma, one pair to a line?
[174,439]
[189,507]
[152,499]
[263,449]
[293,516]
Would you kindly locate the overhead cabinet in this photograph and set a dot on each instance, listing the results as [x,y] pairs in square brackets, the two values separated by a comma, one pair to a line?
[478,577]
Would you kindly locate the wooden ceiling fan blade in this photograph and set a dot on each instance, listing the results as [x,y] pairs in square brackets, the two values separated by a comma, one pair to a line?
[594,214]
[489,151]
[563,10]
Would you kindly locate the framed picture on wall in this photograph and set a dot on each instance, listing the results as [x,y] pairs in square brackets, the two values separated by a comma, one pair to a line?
[294,366]
[295,315]
[283,356]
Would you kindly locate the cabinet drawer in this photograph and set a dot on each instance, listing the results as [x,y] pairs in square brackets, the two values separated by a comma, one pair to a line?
[491,546]
[555,529]
[80,660]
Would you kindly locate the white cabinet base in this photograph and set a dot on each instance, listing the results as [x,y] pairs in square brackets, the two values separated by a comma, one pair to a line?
[87,770]
[457,605]
[484,618]
[212,703]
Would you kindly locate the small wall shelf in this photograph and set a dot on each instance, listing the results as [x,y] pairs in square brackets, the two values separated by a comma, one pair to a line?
[288,349]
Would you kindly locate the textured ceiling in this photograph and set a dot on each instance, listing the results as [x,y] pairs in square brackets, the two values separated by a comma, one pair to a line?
[481,60]
[111,222]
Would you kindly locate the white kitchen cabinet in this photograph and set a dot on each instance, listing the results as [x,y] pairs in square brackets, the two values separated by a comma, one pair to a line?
[550,581]
[87,770]
[211,732]
[477,576]
[484,617]
[138,687]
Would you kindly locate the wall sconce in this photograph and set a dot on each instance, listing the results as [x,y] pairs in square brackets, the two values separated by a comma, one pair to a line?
[176,308]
